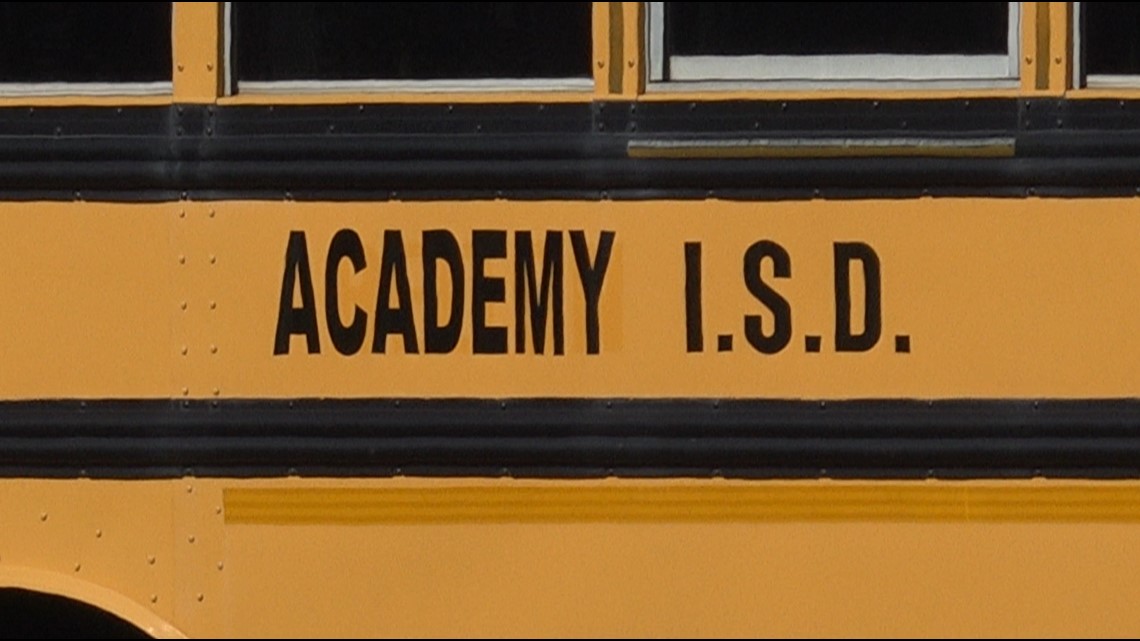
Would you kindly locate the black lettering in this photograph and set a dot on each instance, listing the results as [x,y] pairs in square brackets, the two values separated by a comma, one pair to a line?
[694,324]
[441,245]
[845,341]
[399,319]
[777,304]
[540,300]
[487,245]
[592,276]
[346,339]
[297,320]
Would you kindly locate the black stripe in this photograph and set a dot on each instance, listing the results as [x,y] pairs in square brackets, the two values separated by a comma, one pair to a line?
[575,438]
[532,151]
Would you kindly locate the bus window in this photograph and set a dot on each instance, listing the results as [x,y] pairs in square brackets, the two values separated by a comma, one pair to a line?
[834,42]
[1105,35]
[395,45]
[49,48]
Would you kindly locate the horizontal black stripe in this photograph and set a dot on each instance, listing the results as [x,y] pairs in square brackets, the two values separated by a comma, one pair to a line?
[579,150]
[576,438]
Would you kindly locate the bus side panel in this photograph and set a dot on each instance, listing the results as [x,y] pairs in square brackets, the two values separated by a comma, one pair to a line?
[88,300]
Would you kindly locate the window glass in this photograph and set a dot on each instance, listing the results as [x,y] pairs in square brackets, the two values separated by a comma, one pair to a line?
[829,28]
[833,40]
[85,42]
[1111,38]
[411,40]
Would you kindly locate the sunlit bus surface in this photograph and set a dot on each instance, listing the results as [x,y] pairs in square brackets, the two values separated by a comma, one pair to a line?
[569,319]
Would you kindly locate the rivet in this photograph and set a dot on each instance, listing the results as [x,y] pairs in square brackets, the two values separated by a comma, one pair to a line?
[213,305]
[182,214]
[221,566]
[213,349]
[601,63]
[43,516]
[181,260]
[181,67]
[98,534]
[209,66]
[1028,60]
[183,305]
[217,391]
[78,567]
[218,510]
[150,560]
[631,63]
[1057,60]
[154,598]
[190,538]
[212,212]
[185,391]
[213,259]
[189,489]
[185,350]
[201,597]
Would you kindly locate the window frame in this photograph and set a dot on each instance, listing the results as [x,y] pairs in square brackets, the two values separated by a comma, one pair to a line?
[822,71]
[235,87]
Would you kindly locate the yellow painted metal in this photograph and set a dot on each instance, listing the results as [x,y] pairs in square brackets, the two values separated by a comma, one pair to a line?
[1047,42]
[677,557]
[107,543]
[633,51]
[1034,41]
[1060,47]
[197,48]
[89,304]
[634,502]
[1000,298]
[602,40]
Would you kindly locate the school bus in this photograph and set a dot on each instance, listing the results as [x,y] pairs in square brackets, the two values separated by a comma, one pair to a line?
[569,319]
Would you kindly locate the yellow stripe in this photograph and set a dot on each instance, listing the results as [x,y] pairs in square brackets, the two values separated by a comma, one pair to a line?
[615,57]
[814,501]
[1041,69]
